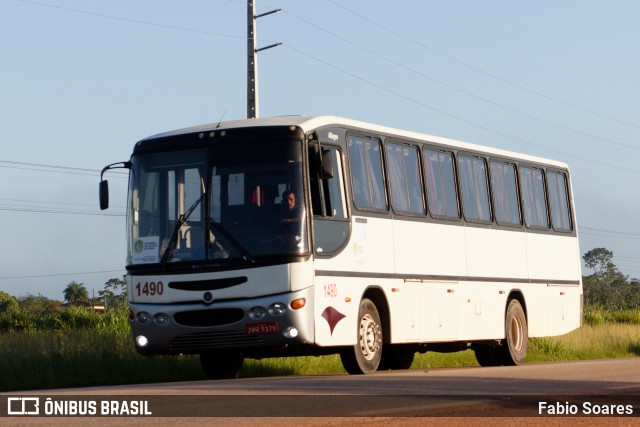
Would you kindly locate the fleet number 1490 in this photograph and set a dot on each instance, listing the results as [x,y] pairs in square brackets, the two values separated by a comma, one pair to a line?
[149,288]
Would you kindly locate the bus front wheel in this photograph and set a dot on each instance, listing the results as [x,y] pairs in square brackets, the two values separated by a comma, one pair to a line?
[365,356]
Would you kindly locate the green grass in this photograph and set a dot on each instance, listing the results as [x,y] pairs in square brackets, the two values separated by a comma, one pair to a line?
[52,359]
[80,348]
[596,316]
[588,342]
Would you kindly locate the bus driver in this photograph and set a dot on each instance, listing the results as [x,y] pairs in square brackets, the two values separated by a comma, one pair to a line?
[291,217]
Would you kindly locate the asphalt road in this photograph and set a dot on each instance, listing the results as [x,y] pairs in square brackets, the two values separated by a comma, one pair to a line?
[541,393]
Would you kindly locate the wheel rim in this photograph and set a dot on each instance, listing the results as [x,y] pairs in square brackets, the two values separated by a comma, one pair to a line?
[370,339]
[515,333]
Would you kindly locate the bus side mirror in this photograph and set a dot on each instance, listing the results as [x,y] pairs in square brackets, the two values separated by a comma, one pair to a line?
[104,194]
[104,185]
[327,165]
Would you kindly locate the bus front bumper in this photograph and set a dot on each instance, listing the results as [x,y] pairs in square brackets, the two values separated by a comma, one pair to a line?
[269,322]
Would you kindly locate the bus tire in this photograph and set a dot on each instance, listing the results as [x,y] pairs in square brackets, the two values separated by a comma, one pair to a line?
[517,335]
[513,348]
[397,356]
[365,356]
[488,355]
[221,365]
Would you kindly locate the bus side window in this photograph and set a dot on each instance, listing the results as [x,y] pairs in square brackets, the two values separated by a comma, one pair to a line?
[316,201]
[404,178]
[559,201]
[331,230]
[334,188]
[440,178]
[533,197]
[327,195]
[366,171]
[505,194]
[474,187]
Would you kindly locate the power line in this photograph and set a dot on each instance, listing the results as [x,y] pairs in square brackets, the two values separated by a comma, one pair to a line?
[49,166]
[58,274]
[628,254]
[54,203]
[609,235]
[625,233]
[42,209]
[486,73]
[134,21]
[378,86]
[58,211]
[469,122]
[41,167]
[457,89]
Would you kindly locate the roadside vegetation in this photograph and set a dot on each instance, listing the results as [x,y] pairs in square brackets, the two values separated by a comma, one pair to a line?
[48,344]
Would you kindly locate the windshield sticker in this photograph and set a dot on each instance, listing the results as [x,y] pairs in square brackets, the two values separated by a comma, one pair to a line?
[145,250]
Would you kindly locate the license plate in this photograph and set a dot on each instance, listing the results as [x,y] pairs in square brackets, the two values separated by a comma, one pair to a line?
[261,328]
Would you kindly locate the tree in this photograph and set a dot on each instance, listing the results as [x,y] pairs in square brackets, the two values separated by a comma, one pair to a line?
[39,304]
[599,259]
[607,287]
[75,292]
[115,292]
[8,303]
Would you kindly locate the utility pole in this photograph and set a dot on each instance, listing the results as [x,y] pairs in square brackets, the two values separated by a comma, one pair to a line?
[252,58]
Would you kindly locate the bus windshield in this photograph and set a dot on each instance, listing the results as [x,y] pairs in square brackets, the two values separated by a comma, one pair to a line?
[228,202]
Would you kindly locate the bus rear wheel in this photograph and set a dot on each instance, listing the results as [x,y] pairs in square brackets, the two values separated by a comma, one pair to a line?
[513,349]
[221,365]
[516,342]
[365,356]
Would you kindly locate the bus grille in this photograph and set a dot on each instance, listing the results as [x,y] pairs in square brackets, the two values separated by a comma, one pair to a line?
[212,317]
[207,340]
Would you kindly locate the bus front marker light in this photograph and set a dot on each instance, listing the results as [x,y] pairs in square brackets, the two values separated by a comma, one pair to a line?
[161,319]
[142,341]
[297,304]
[143,318]
[290,332]
[277,309]
[257,313]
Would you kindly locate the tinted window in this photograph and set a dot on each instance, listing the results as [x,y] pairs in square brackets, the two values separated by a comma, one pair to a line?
[334,190]
[327,194]
[404,178]
[505,193]
[559,201]
[475,192]
[441,184]
[533,198]
[329,204]
[366,170]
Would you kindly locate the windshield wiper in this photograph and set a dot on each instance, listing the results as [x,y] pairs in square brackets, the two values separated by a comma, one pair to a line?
[245,254]
[176,231]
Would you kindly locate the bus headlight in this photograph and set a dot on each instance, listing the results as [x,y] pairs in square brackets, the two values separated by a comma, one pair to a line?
[277,309]
[161,319]
[290,332]
[143,318]
[142,341]
[257,313]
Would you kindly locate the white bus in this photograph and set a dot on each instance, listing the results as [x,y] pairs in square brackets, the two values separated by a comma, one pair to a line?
[320,235]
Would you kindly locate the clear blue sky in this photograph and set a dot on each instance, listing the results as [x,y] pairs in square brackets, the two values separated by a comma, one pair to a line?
[82,81]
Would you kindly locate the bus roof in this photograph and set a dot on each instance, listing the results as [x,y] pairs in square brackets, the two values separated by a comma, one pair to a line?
[308,123]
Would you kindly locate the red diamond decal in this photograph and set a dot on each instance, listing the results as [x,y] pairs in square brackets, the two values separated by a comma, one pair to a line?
[332,316]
